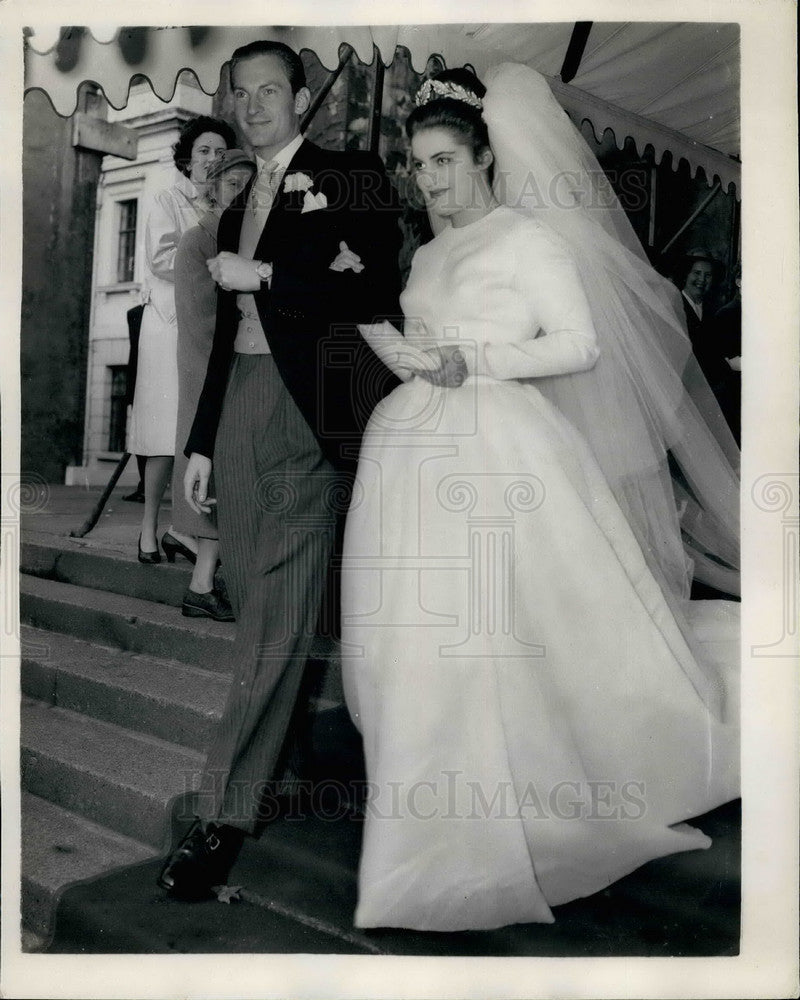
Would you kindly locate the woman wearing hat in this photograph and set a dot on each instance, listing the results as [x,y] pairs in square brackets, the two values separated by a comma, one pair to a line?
[195,306]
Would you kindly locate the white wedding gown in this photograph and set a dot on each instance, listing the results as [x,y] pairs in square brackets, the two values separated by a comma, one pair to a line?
[531,732]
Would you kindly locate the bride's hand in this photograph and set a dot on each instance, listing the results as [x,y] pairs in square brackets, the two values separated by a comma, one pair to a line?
[452,367]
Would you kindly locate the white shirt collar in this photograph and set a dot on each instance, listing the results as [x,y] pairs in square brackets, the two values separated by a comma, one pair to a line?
[698,307]
[185,186]
[284,156]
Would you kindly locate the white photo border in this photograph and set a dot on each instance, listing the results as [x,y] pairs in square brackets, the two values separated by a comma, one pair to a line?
[767,965]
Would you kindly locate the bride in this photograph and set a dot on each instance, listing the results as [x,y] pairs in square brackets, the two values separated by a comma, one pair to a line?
[542,706]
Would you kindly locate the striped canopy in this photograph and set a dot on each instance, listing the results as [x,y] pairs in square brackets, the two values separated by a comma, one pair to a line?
[674,86]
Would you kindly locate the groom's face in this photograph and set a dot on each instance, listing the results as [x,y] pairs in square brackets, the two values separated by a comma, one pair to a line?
[267,111]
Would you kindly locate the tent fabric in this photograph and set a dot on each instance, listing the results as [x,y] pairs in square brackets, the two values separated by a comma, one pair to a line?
[674,86]
[582,106]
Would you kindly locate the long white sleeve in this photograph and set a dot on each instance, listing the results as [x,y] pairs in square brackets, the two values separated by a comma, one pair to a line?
[162,235]
[563,335]
[397,352]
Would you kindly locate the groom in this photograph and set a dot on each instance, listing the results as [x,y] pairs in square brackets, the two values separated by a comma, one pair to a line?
[289,388]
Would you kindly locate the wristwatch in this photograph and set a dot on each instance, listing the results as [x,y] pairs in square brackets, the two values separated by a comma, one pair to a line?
[264,270]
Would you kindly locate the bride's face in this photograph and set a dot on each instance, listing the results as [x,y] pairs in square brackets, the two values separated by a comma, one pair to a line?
[447,173]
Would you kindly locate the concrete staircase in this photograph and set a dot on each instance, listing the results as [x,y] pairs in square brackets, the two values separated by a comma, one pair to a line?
[120,698]
[121,694]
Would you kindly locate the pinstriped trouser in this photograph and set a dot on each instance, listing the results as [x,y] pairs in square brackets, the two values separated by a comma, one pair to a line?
[275,530]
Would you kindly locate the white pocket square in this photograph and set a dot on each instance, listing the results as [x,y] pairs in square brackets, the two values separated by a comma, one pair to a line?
[311,202]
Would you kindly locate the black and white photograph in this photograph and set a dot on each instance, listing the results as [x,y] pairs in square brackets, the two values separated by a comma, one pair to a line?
[400,501]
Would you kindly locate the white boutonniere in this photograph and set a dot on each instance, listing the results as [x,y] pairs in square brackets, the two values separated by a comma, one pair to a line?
[311,202]
[297,182]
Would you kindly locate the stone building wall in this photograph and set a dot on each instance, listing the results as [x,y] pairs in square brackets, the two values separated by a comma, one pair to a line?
[59,188]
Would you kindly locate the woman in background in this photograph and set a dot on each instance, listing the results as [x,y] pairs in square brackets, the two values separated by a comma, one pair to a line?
[155,403]
[196,305]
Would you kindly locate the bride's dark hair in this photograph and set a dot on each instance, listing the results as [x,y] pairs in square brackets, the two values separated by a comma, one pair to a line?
[459,117]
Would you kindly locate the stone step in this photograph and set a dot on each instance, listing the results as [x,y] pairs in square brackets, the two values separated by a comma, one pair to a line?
[109,775]
[124,622]
[679,899]
[60,848]
[100,566]
[155,630]
[163,698]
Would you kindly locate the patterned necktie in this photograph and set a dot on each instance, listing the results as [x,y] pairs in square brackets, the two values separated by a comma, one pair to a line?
[263,192]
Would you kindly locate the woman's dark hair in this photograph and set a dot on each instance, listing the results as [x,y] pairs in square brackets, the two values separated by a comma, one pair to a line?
[191,132]
[682,266]
[292,62]
[457,116]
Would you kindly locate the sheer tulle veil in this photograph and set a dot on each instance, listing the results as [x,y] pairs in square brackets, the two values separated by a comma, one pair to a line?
[645,408]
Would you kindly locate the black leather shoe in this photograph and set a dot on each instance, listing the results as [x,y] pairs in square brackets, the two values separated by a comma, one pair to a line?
[201,860]
[210,605]
[136,497]
[220,586]
[148,557]
[172,547]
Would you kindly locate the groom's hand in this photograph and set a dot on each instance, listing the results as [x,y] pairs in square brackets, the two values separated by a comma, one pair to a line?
[234,273]
[195,483]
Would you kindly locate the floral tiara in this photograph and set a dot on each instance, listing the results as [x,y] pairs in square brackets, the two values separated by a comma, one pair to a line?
[432,90]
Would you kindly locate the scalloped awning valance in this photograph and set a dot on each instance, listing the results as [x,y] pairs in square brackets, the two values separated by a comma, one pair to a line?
[673,86]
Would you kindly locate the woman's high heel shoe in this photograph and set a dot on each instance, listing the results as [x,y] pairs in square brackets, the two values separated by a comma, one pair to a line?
[171,547]
[148,557]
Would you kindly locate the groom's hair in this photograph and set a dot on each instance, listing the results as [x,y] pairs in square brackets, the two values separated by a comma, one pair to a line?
[292,62]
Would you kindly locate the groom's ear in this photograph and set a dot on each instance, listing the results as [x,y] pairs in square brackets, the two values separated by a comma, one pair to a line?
[302,100]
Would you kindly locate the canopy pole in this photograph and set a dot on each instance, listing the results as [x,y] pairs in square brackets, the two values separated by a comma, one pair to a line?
[97,510]
[575,50]
[377,104]
[733,247]
[344,57]
[651,229]
[698,211]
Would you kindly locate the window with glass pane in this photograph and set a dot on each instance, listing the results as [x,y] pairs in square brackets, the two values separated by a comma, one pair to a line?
[126,254]
[119,407]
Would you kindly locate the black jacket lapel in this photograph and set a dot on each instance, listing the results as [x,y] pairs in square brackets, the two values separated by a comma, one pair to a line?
[304,161]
